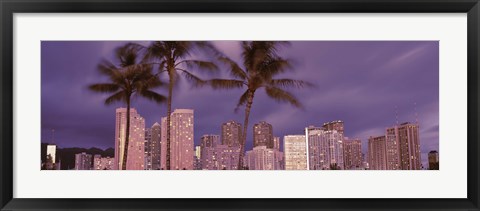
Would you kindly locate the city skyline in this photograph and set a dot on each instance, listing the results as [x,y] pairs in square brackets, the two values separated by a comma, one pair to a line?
[365,114]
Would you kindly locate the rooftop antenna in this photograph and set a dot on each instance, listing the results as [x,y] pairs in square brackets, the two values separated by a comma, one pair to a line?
[416,113]
[396,115]
[53,136]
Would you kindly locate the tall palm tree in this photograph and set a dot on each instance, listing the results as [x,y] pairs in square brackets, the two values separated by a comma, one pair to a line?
[174,58]
[127,79]
[261,64]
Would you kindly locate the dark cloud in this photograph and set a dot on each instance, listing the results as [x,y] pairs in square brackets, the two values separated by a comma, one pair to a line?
[370,85]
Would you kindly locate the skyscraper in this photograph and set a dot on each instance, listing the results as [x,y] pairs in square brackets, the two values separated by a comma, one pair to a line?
[409,146]
[263,135]
[377,158]
[209,157]
[276,143]
[231,133]
[163,143]
[198,150]
[334,125]
[217,156]
[392,147]
[181,140]
[433,161]
[325,148]
[136,145]
[52,152]
[262,158]
[352,152]
[155,146]
[295,152]
[100,163]
[83,161]
[148,151]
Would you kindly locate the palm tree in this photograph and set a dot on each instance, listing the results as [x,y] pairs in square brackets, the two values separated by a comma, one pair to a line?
[261,64]
[127,79]
[174,58]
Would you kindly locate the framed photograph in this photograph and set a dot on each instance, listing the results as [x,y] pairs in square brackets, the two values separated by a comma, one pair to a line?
[216,105]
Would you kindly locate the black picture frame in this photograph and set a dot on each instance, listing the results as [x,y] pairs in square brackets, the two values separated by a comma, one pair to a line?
[10,7]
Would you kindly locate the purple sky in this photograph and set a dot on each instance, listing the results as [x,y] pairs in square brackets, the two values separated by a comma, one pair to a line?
[359,82]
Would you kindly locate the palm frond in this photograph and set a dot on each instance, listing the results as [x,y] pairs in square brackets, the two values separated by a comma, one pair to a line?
[235,70]
[280,95]
[242,101]
[120,96]
[290,83]
[198,64]
[197,82]
[104,87]
[273,66]
[153,96]
[225,83]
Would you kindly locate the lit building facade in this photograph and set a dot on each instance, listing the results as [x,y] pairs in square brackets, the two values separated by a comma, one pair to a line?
[262,158]
[392,147]
[325,148]
[181,140]
[148,152]
[52,152]
[100,163]
[337,125]
[377,157]
[263,135]
[231,133]
[409,146]
[136,145]
[155,146]
[83,161]
[352,152]
[295,152]
[217,156]
[276,143]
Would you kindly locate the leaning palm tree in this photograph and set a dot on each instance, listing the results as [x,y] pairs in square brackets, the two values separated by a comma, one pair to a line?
[261,64]
[127,79]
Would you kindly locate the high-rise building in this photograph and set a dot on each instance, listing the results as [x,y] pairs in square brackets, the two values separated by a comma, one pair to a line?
[231,133]
[181,140]
[136,144]
[409,146]
[155,146]
[100,163]
[83,161]
[276,143]
[227,156]
[377,157]
[352,152]
[433,161]
[262,158]
[325,148]
[163,143]
[392,147]
[217,156]
[208,153]
[198,151]
[334,125]
[51,152]
[148,151]
[209,141]
[263,135]
[295,152]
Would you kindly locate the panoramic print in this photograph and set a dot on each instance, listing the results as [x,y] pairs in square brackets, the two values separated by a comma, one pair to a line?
[239,105]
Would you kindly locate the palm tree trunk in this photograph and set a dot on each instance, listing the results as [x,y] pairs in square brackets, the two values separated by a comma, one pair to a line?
[127,137]
[248,107]
[169,111]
